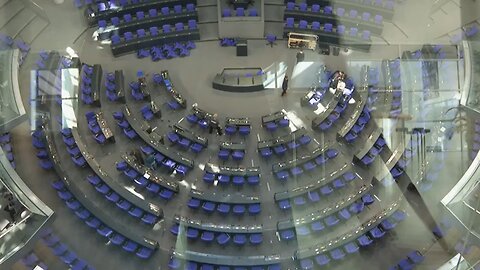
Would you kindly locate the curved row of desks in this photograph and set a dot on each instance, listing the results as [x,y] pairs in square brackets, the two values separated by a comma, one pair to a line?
[93,18]
[86,201]
[282,139]
[153,139]
[329,107]
[301,190]
[224,228]
[145,204]
[350,236]
[286,165]
[146,23]
[333,19]
[216,259]
[223,198]
[360,7]
[326,211]
[369,142]
[149,174]
[232,171]
[362,96]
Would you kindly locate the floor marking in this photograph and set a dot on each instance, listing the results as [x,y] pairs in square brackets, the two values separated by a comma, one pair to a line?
[268,186]
[377,198]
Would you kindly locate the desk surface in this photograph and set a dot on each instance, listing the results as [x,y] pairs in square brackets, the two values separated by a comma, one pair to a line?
[226,228]
[244,171]
[152,176]
[215,259]
[141,128]
[171,89]
[232,145]
[87,202]
[273,116]
[223,198]
[333,102]
[237,121]
[282,139]
[301,190]
[145,204]
[103,125]
[189,135]
[300,160]
[369,142]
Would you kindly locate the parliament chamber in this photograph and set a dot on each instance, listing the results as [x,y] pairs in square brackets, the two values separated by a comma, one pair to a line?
[239,135]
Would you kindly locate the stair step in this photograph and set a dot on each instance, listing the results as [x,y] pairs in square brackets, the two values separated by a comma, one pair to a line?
[18,23]
[10,10]
[33,29]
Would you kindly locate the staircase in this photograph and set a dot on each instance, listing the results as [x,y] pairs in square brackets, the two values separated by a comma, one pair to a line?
[21,19]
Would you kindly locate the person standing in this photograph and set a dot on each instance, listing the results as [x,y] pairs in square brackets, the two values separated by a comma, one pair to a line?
[285,85]
[214,125]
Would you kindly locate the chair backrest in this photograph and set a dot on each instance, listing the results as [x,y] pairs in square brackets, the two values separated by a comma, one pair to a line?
[378,19]
[240,12]
[366,16]
[315,8]
[226,12]
[152,12]
[179,26]
[177,9]
[340,12]
[128,35]
[341,29]
[140,15]
[127,17]
[165,10]
[115,39]
[302,24]
[290,5]
[328,10]
[154,31]
[166,28]
[192,24]
[115,21]
[102,23]
[303,6]
[290,22]
[252,12]
[315,25]
[353,13]
[190,7]
[141,32]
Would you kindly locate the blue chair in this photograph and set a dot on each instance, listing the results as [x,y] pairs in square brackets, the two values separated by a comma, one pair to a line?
[140,15]
[165,10]
[177,8]
[306,264]
[224,154]
[376,233]
[240,239]
[144,252]
[266,152]
[190,7]
[238,155]
[256,238]
[254,209]
[152,13]
[287,235]
[244,130]
[315,25]
[253,180]
[313,196]
[252,12]
[337,254]
[230,129]
[192,233]
[322,259]
[315,8]
[209,207]
[196,148]
[302,24]
[223,208]
[179,26]
[328,10]
[192,24]
[127,17]
[226,12]
[223,239]
[290,5]
[239,209]
[364,240]
[289,23]
[240,12]
[331,220]
[207,236]
[193,203]
[284,204]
